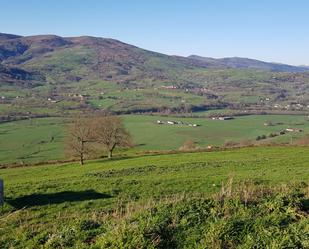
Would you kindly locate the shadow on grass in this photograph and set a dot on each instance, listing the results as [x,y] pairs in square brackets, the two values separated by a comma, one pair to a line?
[55,198]
[140,145]
[305,205]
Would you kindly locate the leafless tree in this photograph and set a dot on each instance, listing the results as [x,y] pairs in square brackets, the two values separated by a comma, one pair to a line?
[79,137]
[111,133]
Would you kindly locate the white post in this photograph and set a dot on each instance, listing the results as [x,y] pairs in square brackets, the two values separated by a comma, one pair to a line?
[1,192]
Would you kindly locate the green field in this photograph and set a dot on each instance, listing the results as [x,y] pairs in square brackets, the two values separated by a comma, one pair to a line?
[164,169]
[149,135]
[31,140]
[39,140]
[101,203]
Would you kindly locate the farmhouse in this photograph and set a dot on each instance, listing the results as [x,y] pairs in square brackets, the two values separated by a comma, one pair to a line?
[222,118]
[169,122]
[225,118]
[293,130]
[269,123]
[53,100]
[169,87]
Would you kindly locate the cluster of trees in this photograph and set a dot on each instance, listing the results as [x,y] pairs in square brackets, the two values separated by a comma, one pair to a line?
[86,134]
[261,137]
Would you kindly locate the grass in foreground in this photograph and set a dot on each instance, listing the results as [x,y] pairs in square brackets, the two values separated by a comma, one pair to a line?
[161,201]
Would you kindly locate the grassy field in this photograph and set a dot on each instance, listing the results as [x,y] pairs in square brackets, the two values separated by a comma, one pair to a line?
[72,206]
[42,139]
[148,135]
[31,140]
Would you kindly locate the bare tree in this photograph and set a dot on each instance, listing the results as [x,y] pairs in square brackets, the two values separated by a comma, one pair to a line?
[79,136]
[111,133]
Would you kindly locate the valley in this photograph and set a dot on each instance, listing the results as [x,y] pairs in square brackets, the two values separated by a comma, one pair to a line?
[107,145]
[20,145]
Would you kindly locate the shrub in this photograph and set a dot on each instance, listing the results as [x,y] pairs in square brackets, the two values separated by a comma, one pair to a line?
[261,137]
[272,135]
[229,144]
[188,145]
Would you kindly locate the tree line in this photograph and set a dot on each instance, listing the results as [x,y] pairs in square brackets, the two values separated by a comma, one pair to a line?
[88,134]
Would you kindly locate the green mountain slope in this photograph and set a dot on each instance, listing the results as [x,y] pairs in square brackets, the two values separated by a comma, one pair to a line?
[68,73]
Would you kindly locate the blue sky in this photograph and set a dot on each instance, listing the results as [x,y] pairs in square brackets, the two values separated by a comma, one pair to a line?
[270,30]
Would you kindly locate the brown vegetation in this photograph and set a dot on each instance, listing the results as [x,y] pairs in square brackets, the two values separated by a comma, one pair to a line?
[79,136]
[110,132]
[304,141]
[188,146]
[85,132]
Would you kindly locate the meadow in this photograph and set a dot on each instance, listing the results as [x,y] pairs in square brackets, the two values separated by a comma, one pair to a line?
[190,180]
[151,136]
[41,139]
[32,140]
[186,200]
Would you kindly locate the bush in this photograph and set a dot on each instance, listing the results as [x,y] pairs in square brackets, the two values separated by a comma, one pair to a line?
[261,137]
[188,145]
[272,135]
[229,144]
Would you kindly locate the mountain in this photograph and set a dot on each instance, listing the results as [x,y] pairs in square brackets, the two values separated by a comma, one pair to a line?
[61,59]
[305,66]
[245,63]
[8,36]
[18,76]
[48,73]
[74,58]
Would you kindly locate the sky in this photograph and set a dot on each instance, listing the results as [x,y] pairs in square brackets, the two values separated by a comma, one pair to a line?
[269,30]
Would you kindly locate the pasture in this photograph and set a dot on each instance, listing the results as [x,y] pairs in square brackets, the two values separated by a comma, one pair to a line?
[151,136]
[40,140]
[92,203]
[32,140]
